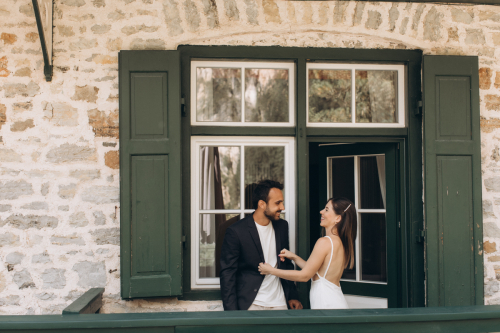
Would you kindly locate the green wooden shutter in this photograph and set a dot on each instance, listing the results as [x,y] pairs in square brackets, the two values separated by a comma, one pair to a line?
[452,181]
[150,173]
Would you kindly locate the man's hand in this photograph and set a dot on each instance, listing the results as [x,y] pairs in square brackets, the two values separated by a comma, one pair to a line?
[295,304]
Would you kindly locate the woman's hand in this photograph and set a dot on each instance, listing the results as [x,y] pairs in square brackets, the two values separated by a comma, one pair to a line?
[285,254]
[265,268]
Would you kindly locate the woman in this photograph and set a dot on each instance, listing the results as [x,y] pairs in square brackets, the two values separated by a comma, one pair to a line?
[330,256]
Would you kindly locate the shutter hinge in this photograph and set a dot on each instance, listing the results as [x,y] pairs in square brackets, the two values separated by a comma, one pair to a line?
[183,107]
[183,239]
[421,236]
[418,108]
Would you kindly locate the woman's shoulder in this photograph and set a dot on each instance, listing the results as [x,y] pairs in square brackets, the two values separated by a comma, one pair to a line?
[323,243]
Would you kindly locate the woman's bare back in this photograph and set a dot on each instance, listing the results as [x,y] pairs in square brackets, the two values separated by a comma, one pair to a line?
[337,265]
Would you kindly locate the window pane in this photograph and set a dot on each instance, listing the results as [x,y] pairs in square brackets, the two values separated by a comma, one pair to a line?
[329,96]
[376,96]
[372,182]
[262,163]
[218,94]
[219,177]
[212,230]
[266,95]
[373,247]
[342,178]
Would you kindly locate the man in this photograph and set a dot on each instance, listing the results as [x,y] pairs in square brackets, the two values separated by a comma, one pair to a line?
[257,238]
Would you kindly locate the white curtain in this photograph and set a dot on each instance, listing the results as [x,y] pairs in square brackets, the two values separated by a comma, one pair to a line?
[207,188]
[381,175]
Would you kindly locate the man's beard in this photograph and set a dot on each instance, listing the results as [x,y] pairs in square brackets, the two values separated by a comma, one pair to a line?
[271,216]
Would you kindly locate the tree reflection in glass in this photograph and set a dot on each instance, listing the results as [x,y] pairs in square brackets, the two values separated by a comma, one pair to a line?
[218,94]
[376,96]
[266,95]
[329,96]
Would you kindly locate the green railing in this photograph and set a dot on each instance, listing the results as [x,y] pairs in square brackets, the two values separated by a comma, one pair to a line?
[439,319]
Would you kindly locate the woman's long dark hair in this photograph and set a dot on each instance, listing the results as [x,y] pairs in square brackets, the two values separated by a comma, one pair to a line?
[346,228]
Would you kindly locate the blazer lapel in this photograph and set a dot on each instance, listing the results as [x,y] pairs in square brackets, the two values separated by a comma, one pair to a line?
[255,236]
[278,242]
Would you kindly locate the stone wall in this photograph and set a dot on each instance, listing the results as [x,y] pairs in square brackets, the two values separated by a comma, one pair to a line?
[59,194]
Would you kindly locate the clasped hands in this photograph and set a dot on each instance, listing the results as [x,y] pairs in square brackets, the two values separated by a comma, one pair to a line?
[265,268]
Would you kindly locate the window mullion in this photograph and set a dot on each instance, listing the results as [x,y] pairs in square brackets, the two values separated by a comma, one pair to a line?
[353,95]
[242,94]
[358,232]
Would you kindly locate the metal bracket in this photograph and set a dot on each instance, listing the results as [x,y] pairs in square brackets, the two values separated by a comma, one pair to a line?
[183,107]
[421,235]
[44,20]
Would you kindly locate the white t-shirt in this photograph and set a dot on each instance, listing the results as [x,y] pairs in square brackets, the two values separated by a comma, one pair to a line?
[271,291]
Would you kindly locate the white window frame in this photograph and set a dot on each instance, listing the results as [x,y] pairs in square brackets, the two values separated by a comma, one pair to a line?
[357,199]
[289,193]
[401,94]
[290,66]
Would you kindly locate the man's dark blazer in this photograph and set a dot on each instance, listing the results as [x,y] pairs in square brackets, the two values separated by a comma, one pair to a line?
[241,254]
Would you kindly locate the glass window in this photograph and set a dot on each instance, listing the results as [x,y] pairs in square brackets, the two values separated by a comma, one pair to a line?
[378,92]
[224,171]
[242,93]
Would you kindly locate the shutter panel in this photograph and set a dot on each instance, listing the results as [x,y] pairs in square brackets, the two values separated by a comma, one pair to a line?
[452,181]
[150,173]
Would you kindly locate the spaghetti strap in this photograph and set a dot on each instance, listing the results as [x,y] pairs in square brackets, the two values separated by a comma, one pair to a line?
[331,256]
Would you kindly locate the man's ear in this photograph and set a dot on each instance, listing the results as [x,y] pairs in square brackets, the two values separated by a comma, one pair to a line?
[262,204]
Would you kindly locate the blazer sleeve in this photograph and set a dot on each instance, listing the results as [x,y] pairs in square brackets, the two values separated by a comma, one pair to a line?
[292,288]
[229,257]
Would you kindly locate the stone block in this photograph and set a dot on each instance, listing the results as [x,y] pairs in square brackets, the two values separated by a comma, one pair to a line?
[492,184]
[10,190]
[99,3]
[192,15]
[116,15]
[85,93]
[41,258]
[432,25]
[101,194]
[460,16]
[54,278]
[8,38]
[271,11]
[46,296]
[489,247]
[491,287]
[31,37]
[485,78]
[67,191]
[374,20]
[211,13]
[474,36]
[3,115]
[106,236]
[24,222]
[71,153]
[492,102]
[488,209]
[78,220]
[99,29]
[36,205]
[27,10]
[133,29]
[10,300]
[490,229]
[72,239]
[64,208]
[172,18]
[65,31]
[112,159]
[14,258]
[60,114]
[148,44]
[4,72]
[91,274]
[104,125]
[45,189]
[20,126]
[5,208]
[7,238]
[14,89]
[23,279]
[73,3]
[85,175]
[102,59]
[21,107]
[489,125]
[232,11]
[73,295]
[99,218]
[54,309]
[114,44]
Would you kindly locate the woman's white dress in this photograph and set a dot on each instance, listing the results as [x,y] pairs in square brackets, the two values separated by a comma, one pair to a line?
[325,294]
